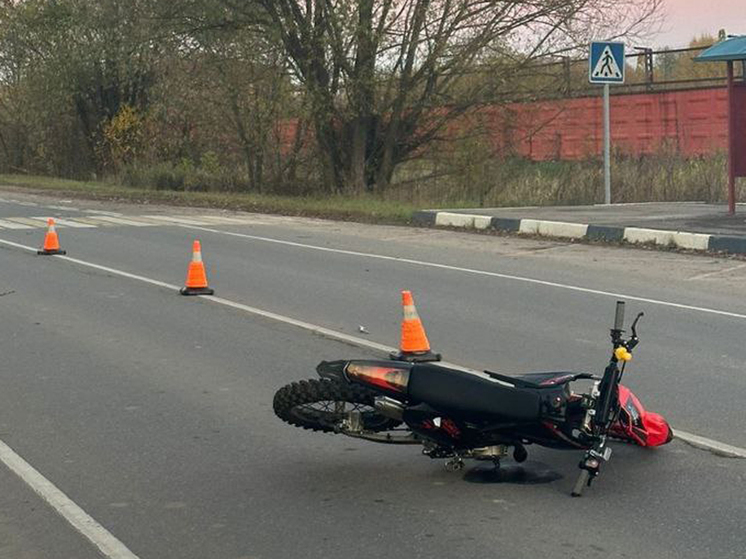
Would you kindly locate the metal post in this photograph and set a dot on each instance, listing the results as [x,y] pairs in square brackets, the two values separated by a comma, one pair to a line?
[607,146]
[649,67]
[731,142]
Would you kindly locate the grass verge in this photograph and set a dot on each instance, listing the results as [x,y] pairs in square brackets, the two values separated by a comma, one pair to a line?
[367,209]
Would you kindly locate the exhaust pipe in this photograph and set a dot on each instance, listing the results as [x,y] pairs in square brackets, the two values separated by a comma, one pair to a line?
[389,407]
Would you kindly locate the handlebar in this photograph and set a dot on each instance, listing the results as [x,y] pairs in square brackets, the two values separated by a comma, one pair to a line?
[616,333]
[619,317]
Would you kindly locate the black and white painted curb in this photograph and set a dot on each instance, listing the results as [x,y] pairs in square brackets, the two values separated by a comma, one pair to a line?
[561,229]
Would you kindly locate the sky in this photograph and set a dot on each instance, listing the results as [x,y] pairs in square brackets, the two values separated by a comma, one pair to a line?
[686,19]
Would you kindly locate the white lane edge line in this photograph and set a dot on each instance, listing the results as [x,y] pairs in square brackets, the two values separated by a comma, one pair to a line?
[99,536]
[695,440]
[476,272]
[703,443]
[716,273]
[259,312]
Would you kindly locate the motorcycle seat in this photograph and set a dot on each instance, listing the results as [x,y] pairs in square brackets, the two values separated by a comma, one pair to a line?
[541,380]
[472,394]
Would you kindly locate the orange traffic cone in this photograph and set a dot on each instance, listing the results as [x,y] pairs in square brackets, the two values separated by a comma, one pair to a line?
[414,344]
[196,280]
[51,242]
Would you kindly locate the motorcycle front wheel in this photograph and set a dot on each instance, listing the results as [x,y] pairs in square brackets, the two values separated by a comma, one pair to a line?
[321,405]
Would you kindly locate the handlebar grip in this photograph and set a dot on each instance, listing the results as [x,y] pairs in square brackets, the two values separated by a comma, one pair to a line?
[619,317]
[581,483]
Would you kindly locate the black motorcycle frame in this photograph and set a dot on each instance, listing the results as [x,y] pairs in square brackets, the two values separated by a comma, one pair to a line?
[457,414]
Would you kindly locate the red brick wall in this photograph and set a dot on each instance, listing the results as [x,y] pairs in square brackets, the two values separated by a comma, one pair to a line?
[691,122]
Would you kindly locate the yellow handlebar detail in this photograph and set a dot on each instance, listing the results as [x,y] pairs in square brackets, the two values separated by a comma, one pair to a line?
[622,354]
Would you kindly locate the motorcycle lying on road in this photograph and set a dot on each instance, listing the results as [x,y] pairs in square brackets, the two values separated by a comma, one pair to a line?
[458,414]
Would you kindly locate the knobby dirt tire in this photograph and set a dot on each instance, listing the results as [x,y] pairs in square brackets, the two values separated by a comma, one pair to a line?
[291,404]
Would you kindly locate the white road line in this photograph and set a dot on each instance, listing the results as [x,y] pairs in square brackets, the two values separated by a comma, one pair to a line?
[119,220]
[27,221]
[101,212]
[721,449]
[476,272]
[225,219]
[704,443]
[219,300]
[716,273]
[12,225]
[178,220]
[20,203]
[64,208]
[99,536]
[93,221]
[67,222]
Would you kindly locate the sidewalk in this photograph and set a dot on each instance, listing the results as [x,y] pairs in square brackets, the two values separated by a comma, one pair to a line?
[690,225]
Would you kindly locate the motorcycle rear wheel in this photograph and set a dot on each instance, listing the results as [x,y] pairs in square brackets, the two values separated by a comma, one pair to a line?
[320,405]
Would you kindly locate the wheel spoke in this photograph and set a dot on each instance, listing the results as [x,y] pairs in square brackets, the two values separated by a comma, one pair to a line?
[323,406]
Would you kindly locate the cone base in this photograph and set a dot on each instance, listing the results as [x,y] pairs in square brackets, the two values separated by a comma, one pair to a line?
[197,291]
[45,252]
[418,357]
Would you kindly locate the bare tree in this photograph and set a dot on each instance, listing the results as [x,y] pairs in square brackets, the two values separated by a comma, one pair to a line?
[385,76]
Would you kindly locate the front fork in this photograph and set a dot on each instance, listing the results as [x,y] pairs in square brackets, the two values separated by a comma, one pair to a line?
[597,415]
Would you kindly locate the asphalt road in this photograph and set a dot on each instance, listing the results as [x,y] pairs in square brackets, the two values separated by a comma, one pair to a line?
[152,412]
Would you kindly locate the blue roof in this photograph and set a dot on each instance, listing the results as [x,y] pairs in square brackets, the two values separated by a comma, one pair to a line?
[730,49]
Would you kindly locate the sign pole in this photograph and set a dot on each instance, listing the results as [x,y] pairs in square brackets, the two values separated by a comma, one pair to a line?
[731,142]
[606,66]
[607,146]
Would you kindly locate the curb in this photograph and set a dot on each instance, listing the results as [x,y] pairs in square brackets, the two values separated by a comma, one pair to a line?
[590,232]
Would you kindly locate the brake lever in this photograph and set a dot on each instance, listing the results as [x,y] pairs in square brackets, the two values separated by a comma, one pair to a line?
[634,324]
[634,340]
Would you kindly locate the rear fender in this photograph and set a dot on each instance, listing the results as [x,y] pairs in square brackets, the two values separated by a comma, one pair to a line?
[332,370]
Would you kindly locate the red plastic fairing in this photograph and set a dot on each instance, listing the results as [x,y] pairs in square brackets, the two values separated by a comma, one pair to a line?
[638,425]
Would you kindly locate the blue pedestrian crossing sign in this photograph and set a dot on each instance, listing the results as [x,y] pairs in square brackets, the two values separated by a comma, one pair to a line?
[606,63]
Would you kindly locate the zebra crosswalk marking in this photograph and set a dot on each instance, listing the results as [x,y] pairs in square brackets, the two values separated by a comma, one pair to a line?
[90,220]
[121,221]
[5,224]
[27,221]
[149,219]
[224,219]
[179,220]
[98,219]
[63,208]
[66,223]
[102,212]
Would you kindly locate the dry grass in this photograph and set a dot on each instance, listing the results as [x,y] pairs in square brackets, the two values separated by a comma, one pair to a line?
[472,179]
[459,178]
[360,208]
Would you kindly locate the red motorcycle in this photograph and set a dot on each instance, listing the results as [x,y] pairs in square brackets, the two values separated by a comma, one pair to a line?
[458,414]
